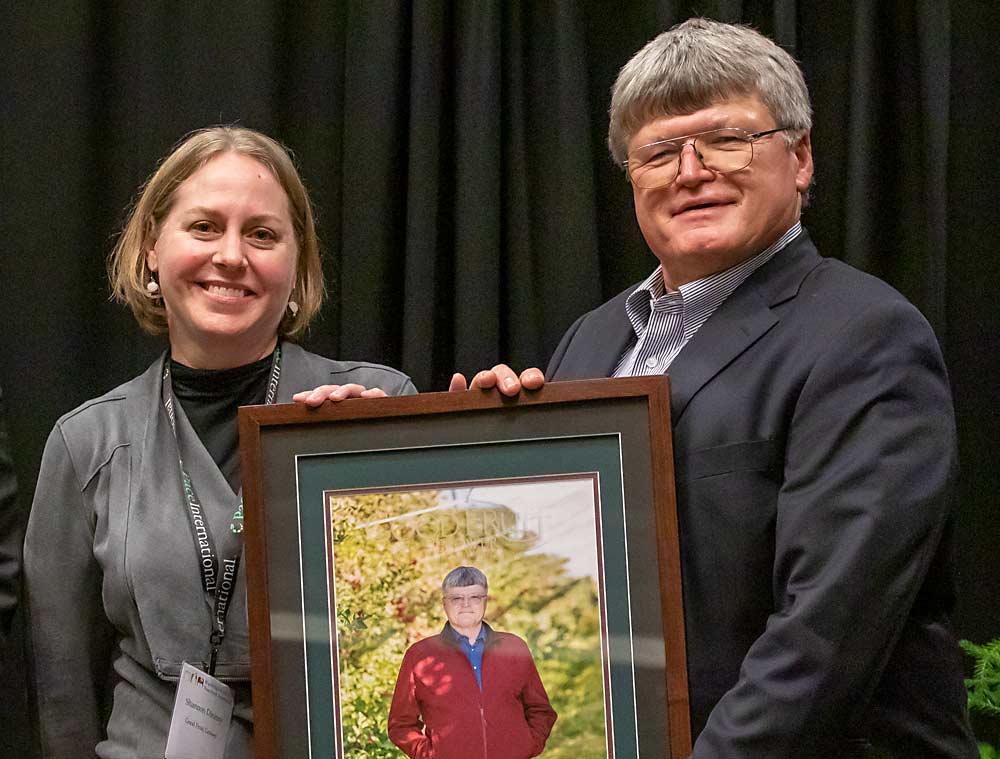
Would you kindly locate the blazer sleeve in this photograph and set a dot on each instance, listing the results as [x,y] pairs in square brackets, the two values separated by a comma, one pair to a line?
[405,387]
[10,531]
[392,381]
[869,459]
[405,728]
[69,637]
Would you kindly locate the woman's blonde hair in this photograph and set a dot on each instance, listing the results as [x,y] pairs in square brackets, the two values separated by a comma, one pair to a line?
[128,271]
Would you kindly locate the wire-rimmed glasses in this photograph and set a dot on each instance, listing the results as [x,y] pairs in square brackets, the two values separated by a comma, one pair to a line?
[459,600]
[722,150]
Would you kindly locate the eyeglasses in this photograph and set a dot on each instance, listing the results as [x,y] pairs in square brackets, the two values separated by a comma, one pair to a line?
[465,600]
[720,150]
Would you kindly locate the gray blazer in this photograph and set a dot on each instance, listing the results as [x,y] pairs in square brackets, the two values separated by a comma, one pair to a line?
[112,587]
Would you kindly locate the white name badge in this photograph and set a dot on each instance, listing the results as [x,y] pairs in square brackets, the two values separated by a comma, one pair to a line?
[203,709]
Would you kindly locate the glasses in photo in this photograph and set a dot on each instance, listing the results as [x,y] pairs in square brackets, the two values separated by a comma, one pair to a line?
[463,600]
[721,150]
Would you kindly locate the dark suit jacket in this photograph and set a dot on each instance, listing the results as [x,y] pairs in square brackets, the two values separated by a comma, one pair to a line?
[814,448]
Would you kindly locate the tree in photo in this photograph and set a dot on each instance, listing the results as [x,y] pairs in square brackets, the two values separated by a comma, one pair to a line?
[391,551]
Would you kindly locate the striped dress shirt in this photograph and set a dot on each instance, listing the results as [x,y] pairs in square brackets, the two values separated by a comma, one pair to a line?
[664,321]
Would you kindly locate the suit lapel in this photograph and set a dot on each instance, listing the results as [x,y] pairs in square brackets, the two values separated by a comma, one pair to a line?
[601,361]
[295,376]
[740,321]
[736,325]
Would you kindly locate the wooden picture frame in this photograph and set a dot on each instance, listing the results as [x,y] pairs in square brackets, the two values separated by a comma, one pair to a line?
[592,458]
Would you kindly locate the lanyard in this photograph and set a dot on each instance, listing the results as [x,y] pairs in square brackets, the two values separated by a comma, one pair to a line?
[217,581]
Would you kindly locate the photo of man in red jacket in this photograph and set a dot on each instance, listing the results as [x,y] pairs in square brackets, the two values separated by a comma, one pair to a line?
[469,692]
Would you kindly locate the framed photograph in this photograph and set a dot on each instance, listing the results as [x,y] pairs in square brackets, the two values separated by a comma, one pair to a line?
[563,500]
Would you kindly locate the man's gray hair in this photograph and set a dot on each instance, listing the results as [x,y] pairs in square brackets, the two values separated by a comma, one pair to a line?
[700,63]
[463,577]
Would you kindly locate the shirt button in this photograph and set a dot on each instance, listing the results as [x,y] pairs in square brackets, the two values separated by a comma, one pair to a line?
[651,362]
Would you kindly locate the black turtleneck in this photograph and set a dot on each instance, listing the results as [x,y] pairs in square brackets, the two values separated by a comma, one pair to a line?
[210,398]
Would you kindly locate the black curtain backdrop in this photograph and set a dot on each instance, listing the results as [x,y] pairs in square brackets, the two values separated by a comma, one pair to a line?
[467,205]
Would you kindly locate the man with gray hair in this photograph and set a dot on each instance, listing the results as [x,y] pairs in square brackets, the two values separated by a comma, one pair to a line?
[813,430]
[469,692]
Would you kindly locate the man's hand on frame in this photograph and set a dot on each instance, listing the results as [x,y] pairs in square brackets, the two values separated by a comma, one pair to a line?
[501,377]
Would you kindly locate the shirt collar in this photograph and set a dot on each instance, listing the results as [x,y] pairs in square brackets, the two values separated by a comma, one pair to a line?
[459,638]
[698,299]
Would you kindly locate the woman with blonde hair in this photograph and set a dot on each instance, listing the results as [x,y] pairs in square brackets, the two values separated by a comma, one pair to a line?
[137,513]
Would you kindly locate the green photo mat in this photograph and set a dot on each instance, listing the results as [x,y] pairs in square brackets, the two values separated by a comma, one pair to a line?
[428,466]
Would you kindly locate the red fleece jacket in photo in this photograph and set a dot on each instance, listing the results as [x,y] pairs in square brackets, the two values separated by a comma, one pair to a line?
[438,711]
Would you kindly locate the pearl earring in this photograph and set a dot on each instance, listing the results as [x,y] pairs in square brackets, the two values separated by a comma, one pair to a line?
[152,287]
[293,307]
